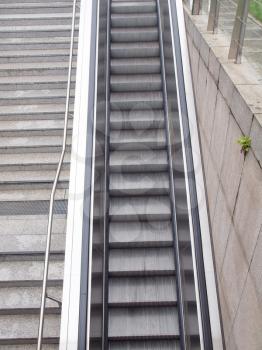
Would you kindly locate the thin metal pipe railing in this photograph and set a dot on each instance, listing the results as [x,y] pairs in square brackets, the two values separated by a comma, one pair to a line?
[239,28]
[52,197]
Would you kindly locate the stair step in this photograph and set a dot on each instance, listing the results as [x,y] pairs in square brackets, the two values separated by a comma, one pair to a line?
[26,272]
[137,139]
[135,161]
[135,66]
[136,100]
[163,344]
[37,43]
[34,128]
[32,161]
[23,329]
[36,7]
[144,323]
[137,120]
[38,18]
[34,56]
[27,97]
[32,179]
[141,208]
[135,50]
[141,261]
[132,20]
[139,234]
[26,194]
[36,31]
[32,144]
[134,34]
[142,291]
[138,184]
[39,68]
[16,300]
[26,243]
[122,83]
[30,346]
[133,7]
[32,112]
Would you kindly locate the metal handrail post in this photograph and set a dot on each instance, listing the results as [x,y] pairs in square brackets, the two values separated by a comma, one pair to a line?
[196,7]
[52,197]
[238,34]
[213,16]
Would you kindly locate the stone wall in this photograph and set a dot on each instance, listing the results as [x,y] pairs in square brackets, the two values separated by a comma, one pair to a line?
[233,182]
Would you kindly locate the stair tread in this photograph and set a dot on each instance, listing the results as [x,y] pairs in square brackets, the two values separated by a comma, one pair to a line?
[132,208]
[137,233]
[155,261]
[149,322]
[138,183]
[142,290]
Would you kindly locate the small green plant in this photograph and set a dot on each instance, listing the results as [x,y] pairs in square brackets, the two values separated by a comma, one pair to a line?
[245,143]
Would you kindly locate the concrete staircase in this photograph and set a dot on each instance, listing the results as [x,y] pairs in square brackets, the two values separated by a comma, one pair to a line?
[34,53]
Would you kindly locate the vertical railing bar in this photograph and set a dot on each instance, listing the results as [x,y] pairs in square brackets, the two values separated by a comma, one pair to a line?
[54,187]
[213,16]
[239,29]
[196,7]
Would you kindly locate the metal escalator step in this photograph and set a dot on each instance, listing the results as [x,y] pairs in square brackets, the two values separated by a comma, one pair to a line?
[143,323]
[140,234]
[162,344]
[138,184]
[140,208]
[135,50]
[122,83]
[147,119]
[133,20]
[134,34]
[141,262]
[135,66]
[133,7]
[142,291]
[137,139]
[133,161]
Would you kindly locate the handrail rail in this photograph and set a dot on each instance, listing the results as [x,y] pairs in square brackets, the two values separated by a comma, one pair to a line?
[52,197]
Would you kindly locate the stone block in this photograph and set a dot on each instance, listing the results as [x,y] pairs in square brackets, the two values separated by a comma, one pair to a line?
[214,66]
[232,164]
[204,50]
[256,268]
[221,226]
[247,326]
[209,108]
[256,136]
[225,313]
[234,272]
[248,212]
[201,86]
[219,132]
[241,112]
[196,36]
[212,184]
[225,85]
[194,65]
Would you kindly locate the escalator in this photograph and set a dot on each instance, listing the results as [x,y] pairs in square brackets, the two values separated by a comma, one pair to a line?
[142,276]
[143,285]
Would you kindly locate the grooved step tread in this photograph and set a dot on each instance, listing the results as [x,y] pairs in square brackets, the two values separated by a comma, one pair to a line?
[135,234]
[135,208]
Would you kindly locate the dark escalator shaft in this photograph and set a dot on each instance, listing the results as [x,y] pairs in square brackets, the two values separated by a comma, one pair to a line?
[142,292]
